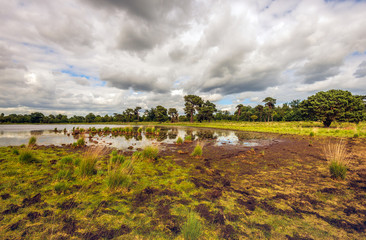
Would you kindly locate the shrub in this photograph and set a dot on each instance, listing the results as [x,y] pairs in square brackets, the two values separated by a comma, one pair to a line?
[338,159]
[32,141]
[197,152]
[27,156]
[312,134]
[179,140]
[337,170]
[192,227]
[150,152]
[89,160]
[356,135]
[188,138]
[66,160]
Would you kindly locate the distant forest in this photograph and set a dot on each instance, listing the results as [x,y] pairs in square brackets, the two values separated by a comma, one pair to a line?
[327,107]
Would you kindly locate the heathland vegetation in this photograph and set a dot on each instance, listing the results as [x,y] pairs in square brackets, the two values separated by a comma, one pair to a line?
[326,107]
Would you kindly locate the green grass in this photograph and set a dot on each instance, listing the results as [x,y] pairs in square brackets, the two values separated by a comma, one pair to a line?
[188,138]
[119,175]
[150,153]
[179,140]
[337,170]
[197,151]
[192,228]
[89,160]
[32,141]
[27,156]
[337,129]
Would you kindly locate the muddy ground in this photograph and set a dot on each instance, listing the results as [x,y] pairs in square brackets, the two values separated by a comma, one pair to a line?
[289,178]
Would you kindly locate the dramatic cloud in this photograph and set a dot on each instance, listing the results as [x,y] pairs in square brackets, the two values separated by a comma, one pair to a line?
[80,56]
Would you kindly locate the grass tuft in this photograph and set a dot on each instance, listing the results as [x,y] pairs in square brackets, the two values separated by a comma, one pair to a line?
[27,156]
[119,175]
[66,160]
[338,158]
[179,140]
[150,153]
[32,141]
[192,227]
[188,138]
[197,152]
[89,160]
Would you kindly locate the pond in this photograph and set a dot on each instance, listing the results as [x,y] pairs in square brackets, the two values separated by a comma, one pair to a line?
[114,135]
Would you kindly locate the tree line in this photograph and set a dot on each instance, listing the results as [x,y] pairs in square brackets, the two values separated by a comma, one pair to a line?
[329,106]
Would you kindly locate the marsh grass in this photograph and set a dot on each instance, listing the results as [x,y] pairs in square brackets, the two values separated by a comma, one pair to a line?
[150,153]
[337,157]
[192,228]
[197,151]
[32,141]
[80,142]
[119,175]
[27,156]
[89,160]
[188,138]
[179,140]
[66,160]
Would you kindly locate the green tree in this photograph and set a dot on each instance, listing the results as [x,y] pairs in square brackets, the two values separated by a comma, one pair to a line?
[129,113]
[239,108]
[136,112]
[334,105]
[270,103]
[161,114]
[173,113]
[192,104]
[90,118]
[259,109]
[206,111]
[36,117]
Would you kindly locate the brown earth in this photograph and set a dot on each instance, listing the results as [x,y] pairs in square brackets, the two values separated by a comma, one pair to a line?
[289,177]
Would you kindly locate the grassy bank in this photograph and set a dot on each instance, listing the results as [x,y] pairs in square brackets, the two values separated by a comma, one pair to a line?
[299,128]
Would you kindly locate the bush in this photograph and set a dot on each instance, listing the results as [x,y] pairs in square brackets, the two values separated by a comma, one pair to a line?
[139,130]
[32,141]
[148,130]
[179,140]
[192,227]
[197,152]
[66,160]
[337,170]
[312,134]
[27,156]
[150,152]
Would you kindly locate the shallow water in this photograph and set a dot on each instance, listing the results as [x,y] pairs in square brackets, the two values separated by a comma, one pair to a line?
[15,135]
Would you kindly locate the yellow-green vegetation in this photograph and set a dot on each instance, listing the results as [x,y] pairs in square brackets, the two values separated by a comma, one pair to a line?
[32,141]
[179,140]
[150,152]
[89,160]
[192,227]
[27,156]
[188,138]
[197,151]
[337,129]
[338,158]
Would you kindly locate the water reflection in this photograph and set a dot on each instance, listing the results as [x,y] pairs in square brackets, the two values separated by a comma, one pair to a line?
[104,135]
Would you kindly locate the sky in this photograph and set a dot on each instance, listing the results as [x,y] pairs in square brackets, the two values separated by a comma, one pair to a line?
[79,56]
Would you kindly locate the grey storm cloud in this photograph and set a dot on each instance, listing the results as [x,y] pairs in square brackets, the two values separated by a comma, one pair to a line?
[361,70]
[95,56]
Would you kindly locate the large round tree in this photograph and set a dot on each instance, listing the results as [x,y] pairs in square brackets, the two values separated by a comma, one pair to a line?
[334,105]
